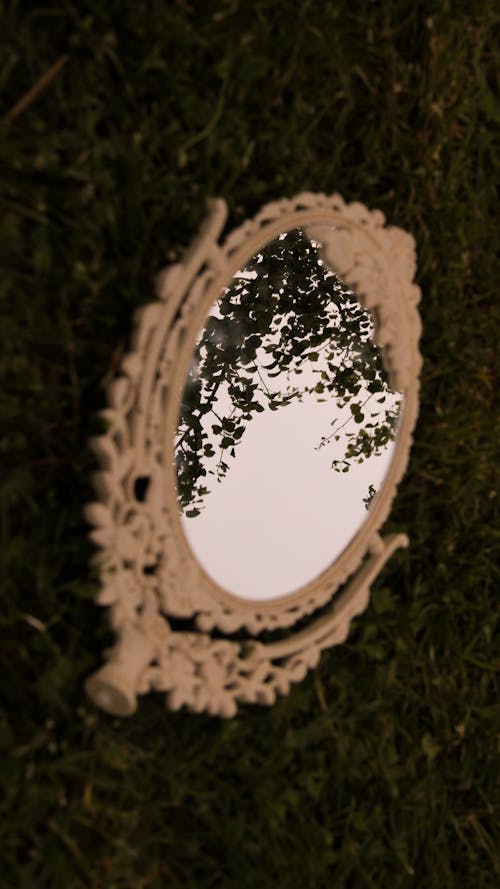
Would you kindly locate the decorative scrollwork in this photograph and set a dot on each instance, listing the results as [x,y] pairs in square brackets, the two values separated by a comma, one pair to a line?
[147,570]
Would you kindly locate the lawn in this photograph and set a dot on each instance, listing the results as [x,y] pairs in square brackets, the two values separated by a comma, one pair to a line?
[118,121]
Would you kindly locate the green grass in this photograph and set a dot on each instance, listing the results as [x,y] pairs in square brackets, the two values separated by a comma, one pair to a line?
[381,768]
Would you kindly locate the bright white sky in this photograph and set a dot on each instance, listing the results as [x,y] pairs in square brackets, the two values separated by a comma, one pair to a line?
[281,515]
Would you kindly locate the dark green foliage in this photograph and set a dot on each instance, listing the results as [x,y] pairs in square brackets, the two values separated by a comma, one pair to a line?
[251,355]
[381,769]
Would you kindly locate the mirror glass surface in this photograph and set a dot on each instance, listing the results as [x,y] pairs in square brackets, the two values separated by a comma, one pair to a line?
[287,424]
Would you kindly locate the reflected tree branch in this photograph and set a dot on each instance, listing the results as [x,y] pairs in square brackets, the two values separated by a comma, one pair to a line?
[292,308]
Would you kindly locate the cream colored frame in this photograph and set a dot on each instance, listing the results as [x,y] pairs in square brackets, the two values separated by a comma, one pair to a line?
[148,571]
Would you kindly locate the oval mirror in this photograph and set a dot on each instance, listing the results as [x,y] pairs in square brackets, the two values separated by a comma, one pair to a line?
[287,423]
[255,437]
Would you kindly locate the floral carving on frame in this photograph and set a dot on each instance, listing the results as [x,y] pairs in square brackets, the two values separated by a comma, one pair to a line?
[177,630]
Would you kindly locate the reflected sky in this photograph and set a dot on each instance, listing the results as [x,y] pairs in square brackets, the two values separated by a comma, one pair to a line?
[287,424]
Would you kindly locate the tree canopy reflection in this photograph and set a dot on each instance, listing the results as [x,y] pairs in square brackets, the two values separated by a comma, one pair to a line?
[285,313]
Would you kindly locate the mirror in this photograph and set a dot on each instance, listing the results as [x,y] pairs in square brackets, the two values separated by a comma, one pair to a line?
[287,423]
[254,439]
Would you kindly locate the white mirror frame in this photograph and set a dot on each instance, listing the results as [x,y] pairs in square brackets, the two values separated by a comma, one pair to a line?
[148,572]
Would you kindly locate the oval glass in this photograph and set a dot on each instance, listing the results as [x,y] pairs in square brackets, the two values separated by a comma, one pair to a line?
[287,424]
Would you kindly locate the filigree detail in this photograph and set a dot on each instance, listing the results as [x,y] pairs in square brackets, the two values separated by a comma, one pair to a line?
[214,675]
[147,569]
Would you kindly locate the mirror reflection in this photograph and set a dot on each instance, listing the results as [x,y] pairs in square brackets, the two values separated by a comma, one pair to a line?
[287,424]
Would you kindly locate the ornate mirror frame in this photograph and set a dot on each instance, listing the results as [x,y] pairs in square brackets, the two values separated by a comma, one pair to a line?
[149,576]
